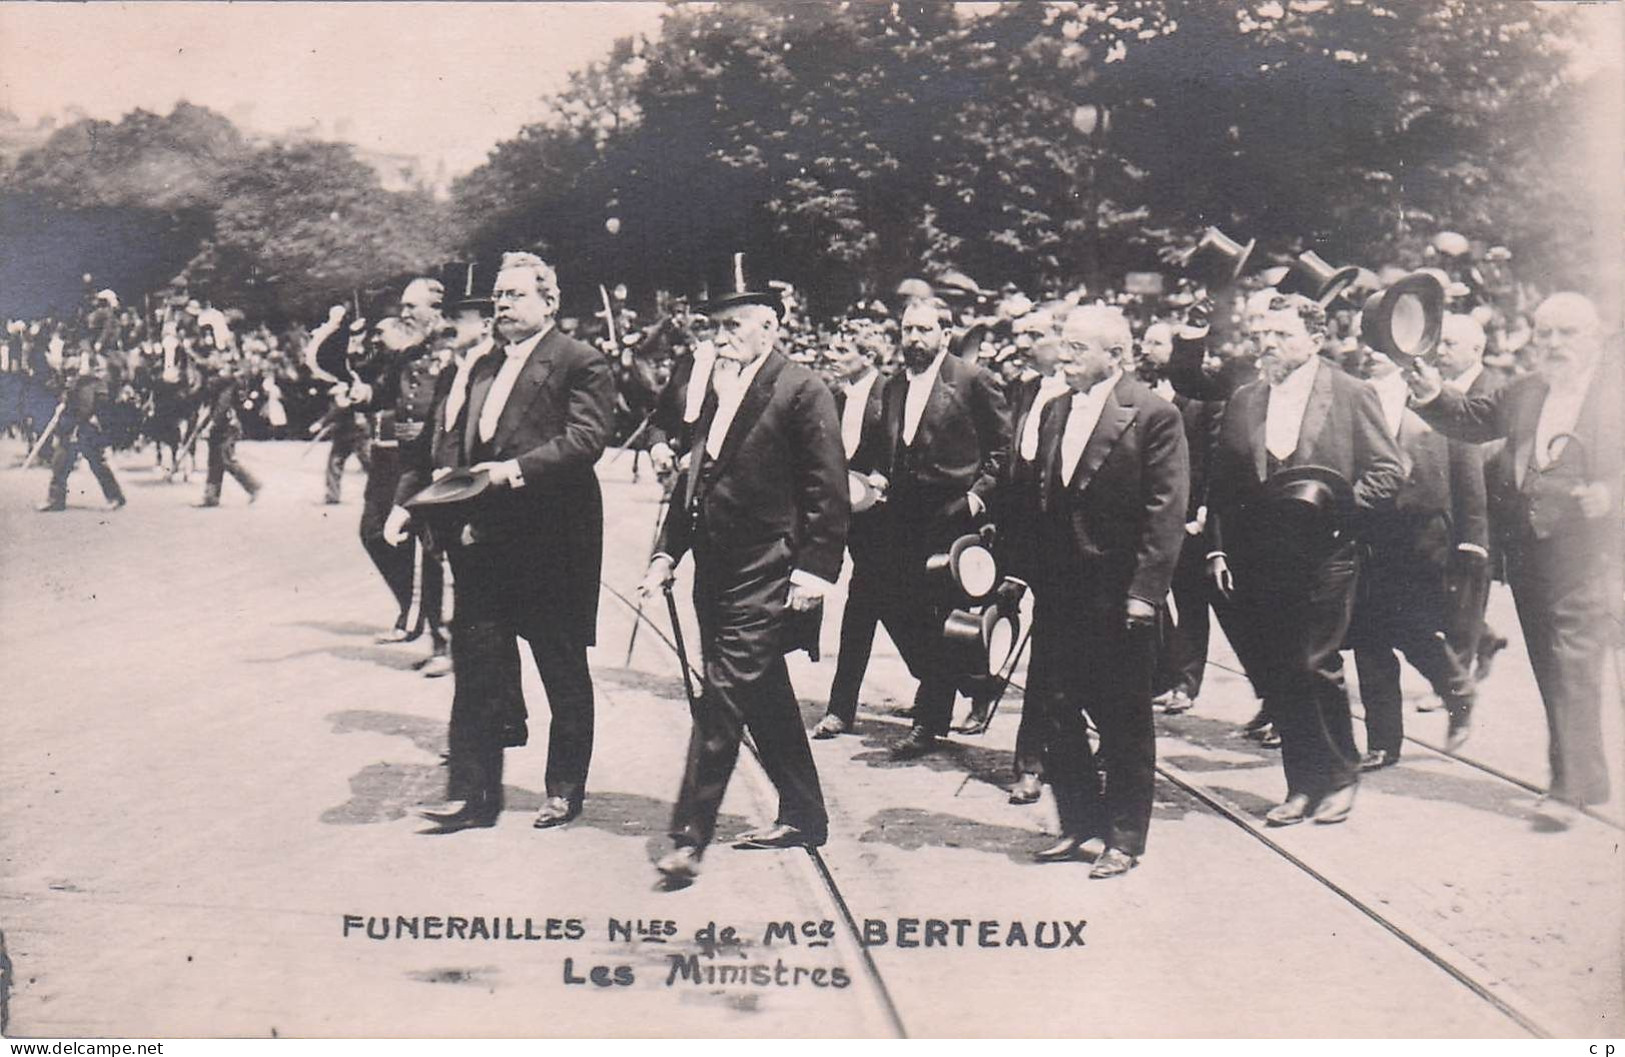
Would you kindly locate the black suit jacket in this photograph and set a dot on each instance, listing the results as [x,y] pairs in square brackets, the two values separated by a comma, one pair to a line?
[865,537]
[867,457]
[1116,529]
[550,533]
[1192,381]
[779,478]
[1439,504]
[962,441]
[1202,419]
[1343,429]
[1527,505]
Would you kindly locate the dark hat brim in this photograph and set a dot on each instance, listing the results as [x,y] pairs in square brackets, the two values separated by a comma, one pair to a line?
[1377,318]
[1342,491]
[766,298]
[450,494]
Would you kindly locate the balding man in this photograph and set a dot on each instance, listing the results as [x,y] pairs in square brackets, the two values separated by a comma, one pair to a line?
[1460,358]
[1562,470]
[1110,496]
[535,418]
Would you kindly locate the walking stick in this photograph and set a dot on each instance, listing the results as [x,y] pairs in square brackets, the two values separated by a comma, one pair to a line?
[660,521]
[317,439]
[1006,673]
[626,445]
[45,434]
[682,651]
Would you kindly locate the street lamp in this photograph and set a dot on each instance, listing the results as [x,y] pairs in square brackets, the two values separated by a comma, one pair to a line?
[1092,122]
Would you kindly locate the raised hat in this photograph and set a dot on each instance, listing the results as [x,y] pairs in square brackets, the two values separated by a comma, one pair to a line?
[1403,320]
[1217,259]
[1312,277]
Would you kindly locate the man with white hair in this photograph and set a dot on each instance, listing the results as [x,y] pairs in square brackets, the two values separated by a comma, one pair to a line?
[1562,470]
[527,555]
[763,506]
[397,401]
[1110,499]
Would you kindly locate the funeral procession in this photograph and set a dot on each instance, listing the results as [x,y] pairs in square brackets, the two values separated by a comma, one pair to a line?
[874,519]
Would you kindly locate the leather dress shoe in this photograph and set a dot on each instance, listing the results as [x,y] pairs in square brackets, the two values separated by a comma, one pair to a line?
[917,742]
[556,811]
[1161,700]
[981,714]
[1028,789]
[830,726]
[1293,810]
[1179,702]
[1270,737]
[1113,862]
[392,636]
[1260,720]
[1335,806]
[51,508]
[679,866]
[1377,759]
[437,666]
[114,504]
[469,814]
[1064,850]
[778,835]
[1461,726]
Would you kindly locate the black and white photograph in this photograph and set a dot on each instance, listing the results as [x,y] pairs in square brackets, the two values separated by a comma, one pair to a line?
[775,520]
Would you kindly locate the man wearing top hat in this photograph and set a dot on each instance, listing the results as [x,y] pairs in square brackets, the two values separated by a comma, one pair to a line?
[1559,479]
[527,552]
[1110,493]
[1308,430]
[764,508]
[944,438]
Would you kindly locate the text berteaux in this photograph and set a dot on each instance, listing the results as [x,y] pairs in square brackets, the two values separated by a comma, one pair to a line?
[903,932]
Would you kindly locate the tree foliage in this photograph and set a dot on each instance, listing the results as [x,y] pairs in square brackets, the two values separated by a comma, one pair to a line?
[279,229]
[843,146]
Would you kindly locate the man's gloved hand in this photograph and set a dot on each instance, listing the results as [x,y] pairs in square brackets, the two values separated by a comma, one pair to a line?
[661,572]
[1139,614]
[395,525]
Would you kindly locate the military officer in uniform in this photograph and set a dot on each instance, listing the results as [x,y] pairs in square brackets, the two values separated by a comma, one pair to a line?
[79,432]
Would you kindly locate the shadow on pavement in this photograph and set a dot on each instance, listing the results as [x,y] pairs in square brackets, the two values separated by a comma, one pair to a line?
[426,734]
[392,657]
[912,828]
[1456,784]
[334,627]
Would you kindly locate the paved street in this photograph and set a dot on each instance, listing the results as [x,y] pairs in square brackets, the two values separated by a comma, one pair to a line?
[206,767]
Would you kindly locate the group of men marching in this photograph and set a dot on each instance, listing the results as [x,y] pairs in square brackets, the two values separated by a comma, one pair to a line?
[1314,508]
